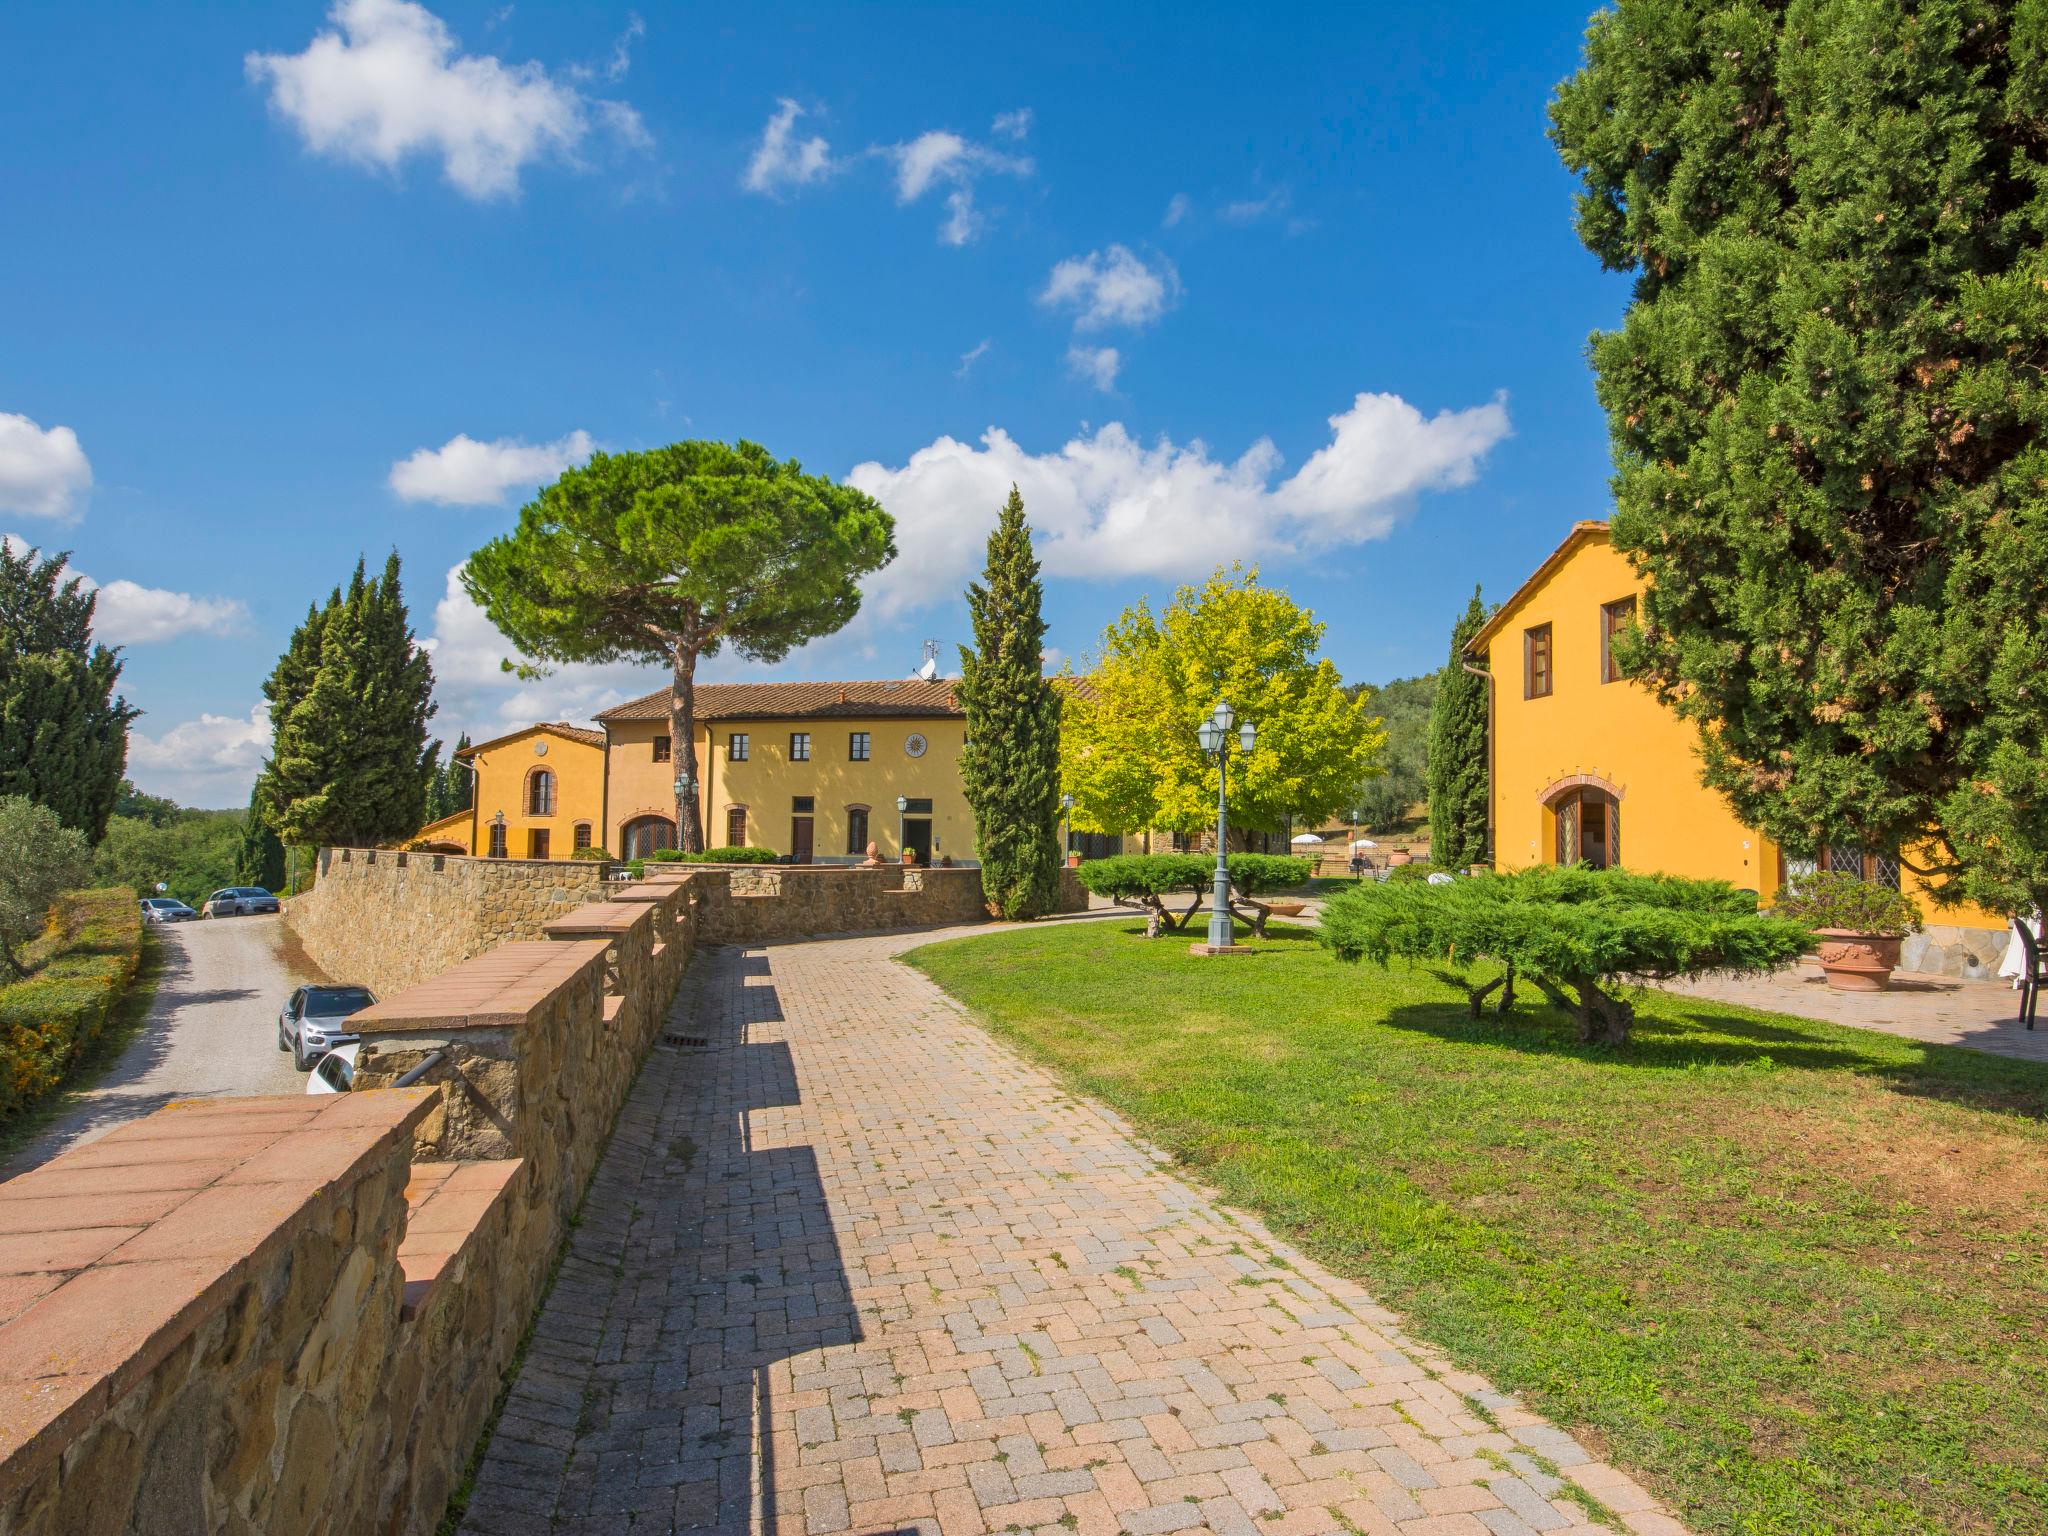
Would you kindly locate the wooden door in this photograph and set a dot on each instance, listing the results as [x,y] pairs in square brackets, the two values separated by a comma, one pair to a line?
[800,840]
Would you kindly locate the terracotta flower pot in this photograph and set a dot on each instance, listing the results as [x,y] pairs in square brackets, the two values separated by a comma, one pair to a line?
[1287,908]
[1400,856]
[1858,962]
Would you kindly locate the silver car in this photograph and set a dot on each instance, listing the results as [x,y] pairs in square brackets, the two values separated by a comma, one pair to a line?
[239,901]
[314,1020]
[166,909]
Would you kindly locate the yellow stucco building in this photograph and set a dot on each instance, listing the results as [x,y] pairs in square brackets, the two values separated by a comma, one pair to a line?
[538,795]
[1586,765]
[811,770]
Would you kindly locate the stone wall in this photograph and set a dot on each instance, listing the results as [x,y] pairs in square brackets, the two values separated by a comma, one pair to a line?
[244,1351]
[1943,950]
[389,920]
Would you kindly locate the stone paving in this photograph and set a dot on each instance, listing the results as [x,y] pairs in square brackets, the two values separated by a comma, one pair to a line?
[1936,1010]
[850,1265]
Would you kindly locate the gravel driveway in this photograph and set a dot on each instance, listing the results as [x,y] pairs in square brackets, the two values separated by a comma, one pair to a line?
[211,1031]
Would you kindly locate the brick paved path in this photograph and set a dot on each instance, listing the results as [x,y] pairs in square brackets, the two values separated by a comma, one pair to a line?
[853,1266]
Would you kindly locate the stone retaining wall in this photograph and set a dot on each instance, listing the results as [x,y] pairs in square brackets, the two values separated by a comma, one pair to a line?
[1943,950]
[389,920]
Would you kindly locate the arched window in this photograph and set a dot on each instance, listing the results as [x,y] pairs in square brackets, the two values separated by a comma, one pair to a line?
[1588,827]
[540,792]
[644,834]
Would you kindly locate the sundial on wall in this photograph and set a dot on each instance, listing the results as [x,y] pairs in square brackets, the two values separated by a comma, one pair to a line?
[914,745]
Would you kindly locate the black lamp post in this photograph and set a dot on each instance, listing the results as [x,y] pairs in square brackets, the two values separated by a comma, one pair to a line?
[1214,735]
[902,826]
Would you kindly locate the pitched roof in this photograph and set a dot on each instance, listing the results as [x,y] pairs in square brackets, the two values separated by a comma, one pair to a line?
[1591,528]
[561,728]
[912,697]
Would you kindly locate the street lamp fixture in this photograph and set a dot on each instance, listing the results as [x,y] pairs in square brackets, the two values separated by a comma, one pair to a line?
[1066,825]
[497,842]
[1214,736]
[902,810]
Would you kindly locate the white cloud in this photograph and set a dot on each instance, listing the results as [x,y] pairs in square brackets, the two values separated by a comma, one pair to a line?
[1012,125]
[210,761]
[130,614]
[1177,208]
[1251,209]
[620,63]
[1107,506]
[1098,365]
[463,472]
[1112,287]
[781,159]
[941,158]
[971,356]
[42,474]
[388,82]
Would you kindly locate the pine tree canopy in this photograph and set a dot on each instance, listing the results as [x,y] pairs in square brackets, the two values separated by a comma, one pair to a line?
[63,730]
[1459,816]
[349,704]
[1010,766]
[670,555]
[1826,405]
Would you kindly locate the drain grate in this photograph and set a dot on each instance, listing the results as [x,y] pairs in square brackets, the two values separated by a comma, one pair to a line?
[686,1042]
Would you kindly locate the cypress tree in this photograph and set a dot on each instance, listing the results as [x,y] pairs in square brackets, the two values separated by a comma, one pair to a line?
[1458,812]
[260,860]
[1010,767]
[63,731]
[461,782]
[349,701]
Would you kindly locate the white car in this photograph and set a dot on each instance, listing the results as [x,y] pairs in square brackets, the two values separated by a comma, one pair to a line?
[335,1072]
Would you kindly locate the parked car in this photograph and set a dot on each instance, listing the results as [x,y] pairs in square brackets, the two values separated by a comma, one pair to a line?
[166,909]
[239,901]
[314,1021]
[335,1072]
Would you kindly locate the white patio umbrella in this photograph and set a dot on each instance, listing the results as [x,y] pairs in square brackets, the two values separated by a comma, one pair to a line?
[1306,837]
[1365,842]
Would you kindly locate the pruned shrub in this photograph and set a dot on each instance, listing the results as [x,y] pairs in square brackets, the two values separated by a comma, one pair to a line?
[747,855]
[590,854]
[1148,881]
[1571,933]
[50,1019]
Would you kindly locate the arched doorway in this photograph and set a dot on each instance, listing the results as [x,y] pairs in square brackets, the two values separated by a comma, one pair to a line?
[644,835]
[1588,826]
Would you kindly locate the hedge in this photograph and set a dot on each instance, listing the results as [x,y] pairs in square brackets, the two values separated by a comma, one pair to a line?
[53,1017]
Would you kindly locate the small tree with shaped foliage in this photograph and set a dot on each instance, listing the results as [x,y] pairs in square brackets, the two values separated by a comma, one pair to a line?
[1129,754]
[1147,880]
[671,555]
[1572,933]
[1010,767]
[39,857]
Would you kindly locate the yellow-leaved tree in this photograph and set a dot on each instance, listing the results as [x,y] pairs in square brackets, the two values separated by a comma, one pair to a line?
[1129,755]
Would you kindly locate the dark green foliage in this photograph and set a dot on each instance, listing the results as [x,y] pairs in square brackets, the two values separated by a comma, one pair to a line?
[63,731]
[1148,880]
[154,809]
[349,704]
[670,555]
[48,1020]
[1826,405]
[749,854]
[1831,898]
[1458,813]
[1404,708]
[450,784]
[1571,932]
[260,859]
[1010,767]
[194,853]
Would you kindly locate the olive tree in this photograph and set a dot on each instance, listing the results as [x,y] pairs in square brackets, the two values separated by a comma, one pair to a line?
[39,857]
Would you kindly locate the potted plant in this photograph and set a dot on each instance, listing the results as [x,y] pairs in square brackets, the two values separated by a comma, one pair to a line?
[1860,926]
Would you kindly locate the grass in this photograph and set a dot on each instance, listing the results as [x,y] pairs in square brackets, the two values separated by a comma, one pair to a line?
[1792,1274]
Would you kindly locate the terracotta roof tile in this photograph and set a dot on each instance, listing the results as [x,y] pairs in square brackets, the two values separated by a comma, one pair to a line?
[912,697]
[553,727]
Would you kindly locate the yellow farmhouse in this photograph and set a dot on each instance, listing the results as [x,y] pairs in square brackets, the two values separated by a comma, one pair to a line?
[536,796]
[1588,766]
[811,770]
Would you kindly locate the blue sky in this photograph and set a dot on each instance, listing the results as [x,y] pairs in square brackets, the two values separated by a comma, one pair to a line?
[289,284]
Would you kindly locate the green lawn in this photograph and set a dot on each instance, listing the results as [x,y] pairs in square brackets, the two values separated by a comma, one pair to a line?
[1795,1276]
